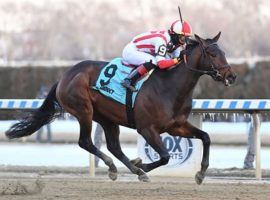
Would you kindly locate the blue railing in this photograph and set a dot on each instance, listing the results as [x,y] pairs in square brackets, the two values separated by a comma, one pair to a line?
[197,105]
[252,106]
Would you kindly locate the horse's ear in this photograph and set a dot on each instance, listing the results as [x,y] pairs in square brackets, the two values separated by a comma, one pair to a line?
[200,40]
[215,39]
[197,37]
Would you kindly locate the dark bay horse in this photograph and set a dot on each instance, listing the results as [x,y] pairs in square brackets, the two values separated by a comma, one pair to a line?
[163,105]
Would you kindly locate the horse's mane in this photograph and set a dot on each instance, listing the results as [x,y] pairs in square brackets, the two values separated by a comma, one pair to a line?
[191,44]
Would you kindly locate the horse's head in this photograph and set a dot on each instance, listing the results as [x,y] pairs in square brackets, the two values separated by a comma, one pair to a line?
[214,62]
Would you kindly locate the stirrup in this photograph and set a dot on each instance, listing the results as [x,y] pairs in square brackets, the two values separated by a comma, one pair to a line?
[132,88]
[126,83]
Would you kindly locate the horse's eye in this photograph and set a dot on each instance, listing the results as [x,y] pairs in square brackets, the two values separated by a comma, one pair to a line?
[213,54]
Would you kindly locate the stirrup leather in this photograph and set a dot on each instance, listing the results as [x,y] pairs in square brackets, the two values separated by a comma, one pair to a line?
[127,84]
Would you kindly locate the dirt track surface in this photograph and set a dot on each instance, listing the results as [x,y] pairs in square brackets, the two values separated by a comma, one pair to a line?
[45,186]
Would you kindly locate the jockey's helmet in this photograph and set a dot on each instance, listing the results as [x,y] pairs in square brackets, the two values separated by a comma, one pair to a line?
[180,28]
[179,31]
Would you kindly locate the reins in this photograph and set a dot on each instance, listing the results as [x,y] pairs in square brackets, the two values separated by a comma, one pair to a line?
[215,70]
[208,72]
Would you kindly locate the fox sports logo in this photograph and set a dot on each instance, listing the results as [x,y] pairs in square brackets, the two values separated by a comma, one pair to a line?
[180,150]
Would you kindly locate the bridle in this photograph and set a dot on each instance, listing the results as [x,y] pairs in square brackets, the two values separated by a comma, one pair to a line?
[214,72]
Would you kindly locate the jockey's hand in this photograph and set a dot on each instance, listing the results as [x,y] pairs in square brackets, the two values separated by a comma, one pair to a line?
[182,53]
[178,60]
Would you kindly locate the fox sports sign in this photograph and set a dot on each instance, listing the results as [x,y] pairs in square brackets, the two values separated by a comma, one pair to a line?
[180,150]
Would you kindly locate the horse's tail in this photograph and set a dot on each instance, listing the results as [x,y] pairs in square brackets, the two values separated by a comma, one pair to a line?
[49,110]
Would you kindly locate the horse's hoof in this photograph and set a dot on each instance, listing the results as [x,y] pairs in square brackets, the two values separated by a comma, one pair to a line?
[112,175]
[199,178]
[144,178]
[137,162]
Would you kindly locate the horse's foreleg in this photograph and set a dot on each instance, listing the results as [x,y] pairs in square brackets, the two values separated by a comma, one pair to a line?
[153,138]
[189,131]
[113,144]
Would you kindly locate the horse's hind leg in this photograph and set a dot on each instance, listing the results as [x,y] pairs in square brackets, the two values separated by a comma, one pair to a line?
[74,95]
[86,143]
[189,131]
[113,144]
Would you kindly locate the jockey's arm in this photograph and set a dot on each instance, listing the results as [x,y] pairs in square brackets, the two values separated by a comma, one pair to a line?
[162,61]
[166,63]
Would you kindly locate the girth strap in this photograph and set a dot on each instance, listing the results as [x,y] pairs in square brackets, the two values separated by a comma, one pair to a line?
[129,109]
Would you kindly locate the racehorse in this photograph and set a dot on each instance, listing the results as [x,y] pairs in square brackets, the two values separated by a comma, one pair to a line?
[162,105]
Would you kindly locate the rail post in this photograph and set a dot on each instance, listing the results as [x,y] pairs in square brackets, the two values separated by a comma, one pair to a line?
[92,169]
[257,125]
[196,120]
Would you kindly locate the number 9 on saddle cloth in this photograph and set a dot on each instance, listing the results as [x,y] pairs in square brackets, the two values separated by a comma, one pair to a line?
[108,82]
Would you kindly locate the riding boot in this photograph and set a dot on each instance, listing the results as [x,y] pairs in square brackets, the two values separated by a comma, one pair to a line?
[136,74]
[131,80]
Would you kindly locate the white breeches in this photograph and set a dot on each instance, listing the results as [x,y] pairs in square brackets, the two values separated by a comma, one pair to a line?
[133,56]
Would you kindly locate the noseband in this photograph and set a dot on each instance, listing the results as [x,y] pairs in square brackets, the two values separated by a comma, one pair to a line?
[215,70]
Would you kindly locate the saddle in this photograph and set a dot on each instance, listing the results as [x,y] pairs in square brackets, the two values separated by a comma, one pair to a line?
[108,84]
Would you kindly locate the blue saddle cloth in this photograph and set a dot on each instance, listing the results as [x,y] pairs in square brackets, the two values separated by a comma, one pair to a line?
[108,82]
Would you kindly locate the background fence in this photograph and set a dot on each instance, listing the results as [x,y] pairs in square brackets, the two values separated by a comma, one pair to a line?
[252,107]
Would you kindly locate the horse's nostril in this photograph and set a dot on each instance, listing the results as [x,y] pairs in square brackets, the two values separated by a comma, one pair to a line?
[234,76]
[231,78]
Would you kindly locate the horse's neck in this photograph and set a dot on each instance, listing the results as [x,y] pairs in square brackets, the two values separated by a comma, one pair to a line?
[184,80]
[178,83]
[186,75]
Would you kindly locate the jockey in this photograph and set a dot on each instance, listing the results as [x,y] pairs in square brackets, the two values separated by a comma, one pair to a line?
[155,49]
